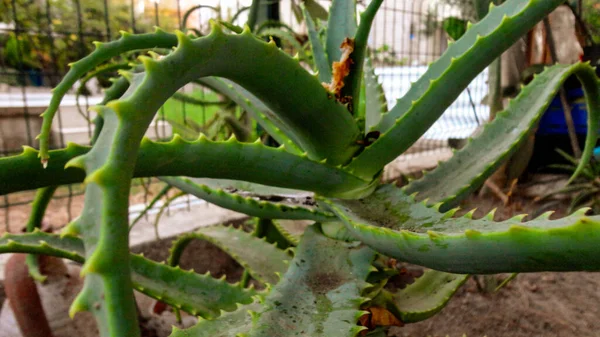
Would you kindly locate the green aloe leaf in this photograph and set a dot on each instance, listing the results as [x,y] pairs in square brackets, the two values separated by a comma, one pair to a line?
[341,25]
[273,24]
[482,7]
[104,69]
[272,233]
[375,102]
[201,158]
[446,78]
[315,9]
[292,230]
[197,294]
[332,138]
[394,224]
[196,101]
[42,243]
[187,13]
[425,297]
[354,79]
[319,55]
[39,205]
[103,224]
[455,179]
[287,37]
[24,171]
[320,294]
[257,109]
[263,260]
[229,324]
[248,205]
[116,90]
[252,188]
[103,52]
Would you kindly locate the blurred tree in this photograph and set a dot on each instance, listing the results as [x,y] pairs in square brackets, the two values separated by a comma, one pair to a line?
[49,34]
[591,16]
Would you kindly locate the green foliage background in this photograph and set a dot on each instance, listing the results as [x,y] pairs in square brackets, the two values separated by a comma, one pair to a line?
[591,16]
[52,34]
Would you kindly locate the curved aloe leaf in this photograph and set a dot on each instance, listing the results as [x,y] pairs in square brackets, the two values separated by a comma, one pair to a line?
[187,14]
[425,297]
[230,26]
[238,13]
[199,295]
[103,223]
[333,137]
[482,7]
[116,90]
[375,103]
[237,128]
[39,205]
[194,293]
[292,230]
[263,115]
[265,25]
[263,260]
[353,81]
[446,78]
[229,324]
[201,158]
[396,225]
[205,158]
[341,25]
[25,172]
[251,188]
[319,55]
[103,52]
[287,37]
[103,69]
[108,68]
[248,205]
[42,243]
[455,179]
[253,15]
[151,204]
[267,229]
[320,293]
[315,9]
[195,101]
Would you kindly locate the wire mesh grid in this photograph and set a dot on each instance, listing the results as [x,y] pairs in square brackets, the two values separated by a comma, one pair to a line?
[39,38]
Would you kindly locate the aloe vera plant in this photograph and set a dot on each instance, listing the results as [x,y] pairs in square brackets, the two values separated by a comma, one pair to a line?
[336,136]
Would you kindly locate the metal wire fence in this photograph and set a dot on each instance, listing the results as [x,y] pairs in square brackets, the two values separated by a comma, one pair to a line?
[39,38]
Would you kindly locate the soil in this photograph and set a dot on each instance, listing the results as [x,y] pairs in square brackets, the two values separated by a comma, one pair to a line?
[532,305]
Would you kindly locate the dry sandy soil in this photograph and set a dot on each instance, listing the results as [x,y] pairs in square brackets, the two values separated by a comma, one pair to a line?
[533,305]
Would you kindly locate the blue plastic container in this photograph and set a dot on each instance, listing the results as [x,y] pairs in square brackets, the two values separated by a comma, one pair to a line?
[553,122]
[35,77]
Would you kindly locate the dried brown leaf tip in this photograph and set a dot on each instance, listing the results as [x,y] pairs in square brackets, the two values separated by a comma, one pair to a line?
[340,70]
[378,317]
